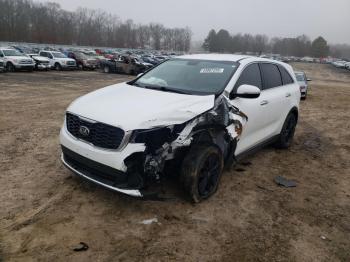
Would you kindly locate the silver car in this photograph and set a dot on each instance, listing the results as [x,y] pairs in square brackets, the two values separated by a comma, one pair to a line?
[303,83]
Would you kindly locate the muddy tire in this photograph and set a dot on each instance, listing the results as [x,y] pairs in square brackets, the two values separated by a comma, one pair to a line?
[201,171]
[287,133]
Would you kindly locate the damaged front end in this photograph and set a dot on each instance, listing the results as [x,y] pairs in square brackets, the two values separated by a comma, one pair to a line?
[139,164]
[221,126]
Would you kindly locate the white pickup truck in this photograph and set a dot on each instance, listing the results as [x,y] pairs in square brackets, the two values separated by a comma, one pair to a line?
[58,60]
[14,60]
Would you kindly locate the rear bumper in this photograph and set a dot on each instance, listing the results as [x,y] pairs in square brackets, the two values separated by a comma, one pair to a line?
[86,170]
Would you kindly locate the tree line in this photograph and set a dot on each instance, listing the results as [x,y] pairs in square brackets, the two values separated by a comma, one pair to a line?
[223,42]
[28,21]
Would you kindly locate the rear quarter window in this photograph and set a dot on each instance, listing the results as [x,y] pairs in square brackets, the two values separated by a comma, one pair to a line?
[286,78]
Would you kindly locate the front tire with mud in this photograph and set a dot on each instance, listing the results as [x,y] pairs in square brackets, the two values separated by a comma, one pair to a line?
[201,171]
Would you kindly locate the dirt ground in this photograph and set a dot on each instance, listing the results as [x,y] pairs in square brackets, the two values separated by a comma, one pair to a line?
[45,211]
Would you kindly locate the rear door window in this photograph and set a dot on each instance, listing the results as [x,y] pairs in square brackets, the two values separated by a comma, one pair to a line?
[271,75]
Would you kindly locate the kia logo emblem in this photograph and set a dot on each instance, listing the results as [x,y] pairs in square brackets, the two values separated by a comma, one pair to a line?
[84,131]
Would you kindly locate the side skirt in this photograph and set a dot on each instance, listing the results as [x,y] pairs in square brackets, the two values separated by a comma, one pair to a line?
[256,148]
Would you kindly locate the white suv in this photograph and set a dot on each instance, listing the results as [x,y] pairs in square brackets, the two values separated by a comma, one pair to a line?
[14,60]
[59,60]
[196,112]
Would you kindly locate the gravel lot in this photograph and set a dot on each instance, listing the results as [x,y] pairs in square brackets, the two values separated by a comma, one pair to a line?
[45,211]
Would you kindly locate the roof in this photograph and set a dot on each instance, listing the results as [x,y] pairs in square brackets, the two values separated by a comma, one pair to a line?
[215,57]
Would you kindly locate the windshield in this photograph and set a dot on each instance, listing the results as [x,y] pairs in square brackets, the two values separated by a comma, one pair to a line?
[12,53]
[300,77]
[202,77]
[58,55]
[81,56]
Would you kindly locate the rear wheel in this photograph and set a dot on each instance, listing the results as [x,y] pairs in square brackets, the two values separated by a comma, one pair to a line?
[286,136]
[201,171]
[304,97]
[106,69]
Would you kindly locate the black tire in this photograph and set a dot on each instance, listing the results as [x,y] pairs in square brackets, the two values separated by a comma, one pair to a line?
[10,67]
[201,171]
[58,67]
[106,69]
[304,98]
[287,133]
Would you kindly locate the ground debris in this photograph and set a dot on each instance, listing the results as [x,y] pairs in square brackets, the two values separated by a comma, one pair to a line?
[149,221]
[81,247]
[282,181]
[264,188]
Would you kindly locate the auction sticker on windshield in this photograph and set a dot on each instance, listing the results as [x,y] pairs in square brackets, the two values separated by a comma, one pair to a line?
[212,70]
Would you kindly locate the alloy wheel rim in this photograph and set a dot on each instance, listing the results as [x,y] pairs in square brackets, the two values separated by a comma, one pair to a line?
[209,174]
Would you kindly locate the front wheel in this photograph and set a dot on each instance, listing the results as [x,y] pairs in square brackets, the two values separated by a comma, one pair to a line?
[10,67]
[287,133]
[58,67]
[201,171]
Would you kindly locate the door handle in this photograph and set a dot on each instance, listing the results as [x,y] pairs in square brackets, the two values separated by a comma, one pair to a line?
[288,94]
[264,102]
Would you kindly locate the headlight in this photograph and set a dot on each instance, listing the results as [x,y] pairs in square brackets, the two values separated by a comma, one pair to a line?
[155,138]
[151,135]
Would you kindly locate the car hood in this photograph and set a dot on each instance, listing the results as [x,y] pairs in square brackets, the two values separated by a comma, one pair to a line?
[64,59]
[19,57]
[41,58]
[130,107]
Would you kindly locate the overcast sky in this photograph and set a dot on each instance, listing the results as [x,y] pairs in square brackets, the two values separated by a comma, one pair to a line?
[285,18]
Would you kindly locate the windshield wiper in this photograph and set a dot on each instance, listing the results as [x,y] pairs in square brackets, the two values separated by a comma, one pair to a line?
[166,89]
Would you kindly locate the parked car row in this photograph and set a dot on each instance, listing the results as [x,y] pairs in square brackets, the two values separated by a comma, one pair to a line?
[342,64]
[109,61]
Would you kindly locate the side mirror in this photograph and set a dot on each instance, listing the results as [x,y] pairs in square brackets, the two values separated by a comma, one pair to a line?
[247,91]
[308,79]
[139,75]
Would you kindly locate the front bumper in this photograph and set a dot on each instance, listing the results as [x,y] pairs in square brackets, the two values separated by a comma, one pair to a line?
[43,66]
[69,66]
[101,166]
[88,170]
[90,66]
[112,158]
[24,66]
